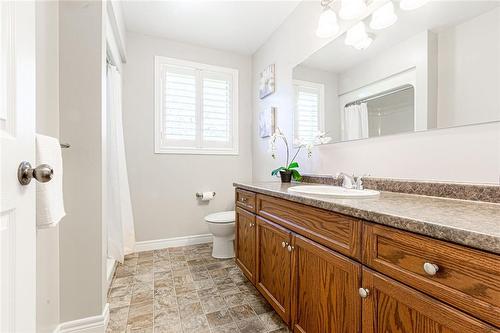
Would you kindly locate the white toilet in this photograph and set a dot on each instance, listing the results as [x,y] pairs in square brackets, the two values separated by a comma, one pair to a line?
[221,225]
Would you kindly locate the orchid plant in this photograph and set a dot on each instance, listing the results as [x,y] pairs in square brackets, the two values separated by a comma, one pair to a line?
[291,166]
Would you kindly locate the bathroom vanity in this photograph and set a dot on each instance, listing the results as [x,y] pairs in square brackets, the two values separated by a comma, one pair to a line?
[396,263]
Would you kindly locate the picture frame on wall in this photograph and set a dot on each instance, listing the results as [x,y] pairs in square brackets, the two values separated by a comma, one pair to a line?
[267,122]
[267,81]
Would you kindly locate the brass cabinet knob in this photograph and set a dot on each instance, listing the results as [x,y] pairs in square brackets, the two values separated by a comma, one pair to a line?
[283,244]
[290,248]
[363,292]
[430,268]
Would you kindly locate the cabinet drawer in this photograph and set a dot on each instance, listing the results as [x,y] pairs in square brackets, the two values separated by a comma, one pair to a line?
[245,199]
[336,231]
[466,278]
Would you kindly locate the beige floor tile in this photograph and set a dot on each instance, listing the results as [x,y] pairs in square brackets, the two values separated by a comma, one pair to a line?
[119,301]
[196,324]
[131,329]
[254,325]
[242,312]
[213,303]
[171,328]
[219,318]
[190,297]
[120,290]
[261,306]
[184,290]
[235,298]
[272,321]
[231,328]
[190,309]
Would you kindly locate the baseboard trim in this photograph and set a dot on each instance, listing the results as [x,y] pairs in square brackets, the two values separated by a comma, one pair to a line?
[95,324]
[172,242]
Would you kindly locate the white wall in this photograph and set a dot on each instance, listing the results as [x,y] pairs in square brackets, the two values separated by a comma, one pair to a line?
[460,154]
[47,123]
[469,71]
[163,186]
[81,78]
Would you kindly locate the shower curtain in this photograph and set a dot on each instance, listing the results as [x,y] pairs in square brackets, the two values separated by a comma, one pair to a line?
[355,121]
[118,207]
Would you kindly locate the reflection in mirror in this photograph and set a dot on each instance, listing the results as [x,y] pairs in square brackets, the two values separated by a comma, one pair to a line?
[438,66]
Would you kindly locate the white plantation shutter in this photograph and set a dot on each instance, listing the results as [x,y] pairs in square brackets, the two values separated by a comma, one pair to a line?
[308,118]
[217,108]
[178,114]
[196,109]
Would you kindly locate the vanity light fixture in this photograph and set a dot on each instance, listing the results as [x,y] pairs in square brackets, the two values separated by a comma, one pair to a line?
[328,25]
[383,17]
[412,4]
[356,34]
[363,44]
[352,9]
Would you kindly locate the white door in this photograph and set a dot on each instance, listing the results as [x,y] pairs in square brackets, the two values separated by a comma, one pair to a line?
[17,202]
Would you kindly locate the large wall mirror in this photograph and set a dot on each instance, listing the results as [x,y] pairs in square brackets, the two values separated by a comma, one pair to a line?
[438,66]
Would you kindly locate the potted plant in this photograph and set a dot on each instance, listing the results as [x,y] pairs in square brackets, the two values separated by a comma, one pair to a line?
[290,169]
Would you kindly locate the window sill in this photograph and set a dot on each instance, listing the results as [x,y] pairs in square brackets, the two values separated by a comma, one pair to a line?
[198,151]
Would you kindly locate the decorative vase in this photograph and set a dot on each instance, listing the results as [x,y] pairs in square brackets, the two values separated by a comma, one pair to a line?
[286,176]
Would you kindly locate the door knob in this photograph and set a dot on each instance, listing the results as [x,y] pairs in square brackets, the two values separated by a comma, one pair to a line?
[43,173]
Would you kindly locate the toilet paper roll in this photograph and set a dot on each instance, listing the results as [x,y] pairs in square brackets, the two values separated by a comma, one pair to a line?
[207,196]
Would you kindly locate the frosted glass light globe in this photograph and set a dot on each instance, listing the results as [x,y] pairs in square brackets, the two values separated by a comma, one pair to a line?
[327,24]
[356,34]
[352,9]
[383,17]
[412,4]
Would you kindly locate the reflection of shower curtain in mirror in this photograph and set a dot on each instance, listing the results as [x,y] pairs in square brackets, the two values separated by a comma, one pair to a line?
[118,207]
[355,121]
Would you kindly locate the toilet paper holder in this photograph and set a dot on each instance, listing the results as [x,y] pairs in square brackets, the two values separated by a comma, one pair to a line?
[200,195]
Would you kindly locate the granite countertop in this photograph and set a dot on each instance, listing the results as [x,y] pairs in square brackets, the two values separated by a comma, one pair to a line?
[471,223]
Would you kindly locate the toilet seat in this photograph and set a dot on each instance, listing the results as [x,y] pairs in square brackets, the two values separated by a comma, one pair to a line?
[221,217]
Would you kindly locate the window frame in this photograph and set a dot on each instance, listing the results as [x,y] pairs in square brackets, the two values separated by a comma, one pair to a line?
[159,147]
[321,111]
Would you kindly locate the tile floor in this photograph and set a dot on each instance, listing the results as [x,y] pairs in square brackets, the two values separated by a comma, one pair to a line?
[184,290]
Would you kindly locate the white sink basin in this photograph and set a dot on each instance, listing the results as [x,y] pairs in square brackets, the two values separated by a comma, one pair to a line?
[333,192]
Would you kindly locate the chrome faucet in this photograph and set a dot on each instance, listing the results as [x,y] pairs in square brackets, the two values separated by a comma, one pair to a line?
[351,182]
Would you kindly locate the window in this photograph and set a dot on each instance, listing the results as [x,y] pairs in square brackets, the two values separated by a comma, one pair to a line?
[196,108]
[309,110]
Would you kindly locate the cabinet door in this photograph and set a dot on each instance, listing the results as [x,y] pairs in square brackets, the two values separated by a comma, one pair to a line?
[393,307]
[325,289]
[273,266]
[245,242]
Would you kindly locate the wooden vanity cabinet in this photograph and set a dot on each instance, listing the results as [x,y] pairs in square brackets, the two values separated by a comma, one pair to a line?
[324,289]
[324,272]
[393,307]
[245,242]
[465,278]
[272,276]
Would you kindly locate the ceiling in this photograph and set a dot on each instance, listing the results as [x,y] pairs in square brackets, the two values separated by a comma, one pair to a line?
[237,26]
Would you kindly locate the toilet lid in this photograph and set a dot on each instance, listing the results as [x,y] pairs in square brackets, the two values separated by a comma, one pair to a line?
[221,217]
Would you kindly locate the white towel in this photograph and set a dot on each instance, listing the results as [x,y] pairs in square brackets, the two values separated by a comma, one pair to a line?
[49,196]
